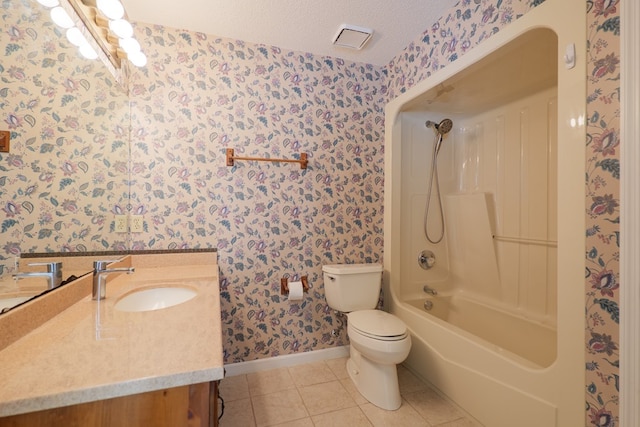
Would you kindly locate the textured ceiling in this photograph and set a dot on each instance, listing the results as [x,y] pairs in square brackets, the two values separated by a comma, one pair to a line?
[299,25]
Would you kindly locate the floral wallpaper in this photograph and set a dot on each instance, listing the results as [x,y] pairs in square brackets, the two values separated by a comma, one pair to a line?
[200,95]
[469,23]
[65,175]
[603,213]
[68,170]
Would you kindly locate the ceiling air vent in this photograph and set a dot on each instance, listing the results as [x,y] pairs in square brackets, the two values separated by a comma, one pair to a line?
[352,37]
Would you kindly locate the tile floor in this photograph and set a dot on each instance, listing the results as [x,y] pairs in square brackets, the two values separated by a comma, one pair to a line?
[321,394]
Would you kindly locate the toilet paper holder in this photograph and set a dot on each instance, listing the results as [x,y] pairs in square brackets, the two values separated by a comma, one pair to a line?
[284,285]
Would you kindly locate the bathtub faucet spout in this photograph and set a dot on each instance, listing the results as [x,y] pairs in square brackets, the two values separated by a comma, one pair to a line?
[429,291]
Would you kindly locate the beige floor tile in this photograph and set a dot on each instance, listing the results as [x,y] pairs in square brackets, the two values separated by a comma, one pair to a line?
[434,408]
[311,373]
[408,382]
[265,382]
[234,388]
[279,407]
[238,413]
[303,422]
[326,397]
[461,422]
[338,367]
[350,417]
[405,416]
[353,391]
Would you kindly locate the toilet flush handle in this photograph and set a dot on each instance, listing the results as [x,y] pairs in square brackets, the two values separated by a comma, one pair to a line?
[331,278]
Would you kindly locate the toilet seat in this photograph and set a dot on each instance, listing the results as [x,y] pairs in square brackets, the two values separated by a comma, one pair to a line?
[378,324]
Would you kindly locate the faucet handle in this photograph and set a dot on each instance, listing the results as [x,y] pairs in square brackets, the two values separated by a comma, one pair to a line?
[102,264]
[52,267]
[426,259]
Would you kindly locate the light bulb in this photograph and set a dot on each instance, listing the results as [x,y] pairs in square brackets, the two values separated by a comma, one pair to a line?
[138,59]
[61,17]
[130,45]
[75,37]
[112,9]
[121,28]
[49,3]
[87,51]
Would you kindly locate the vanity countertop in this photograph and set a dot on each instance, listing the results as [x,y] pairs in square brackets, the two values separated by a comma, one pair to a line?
[90,351]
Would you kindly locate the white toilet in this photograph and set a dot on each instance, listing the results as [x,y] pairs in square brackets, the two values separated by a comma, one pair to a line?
[379,340]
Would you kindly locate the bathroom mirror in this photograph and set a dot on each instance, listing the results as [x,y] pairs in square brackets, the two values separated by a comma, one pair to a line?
[66,174]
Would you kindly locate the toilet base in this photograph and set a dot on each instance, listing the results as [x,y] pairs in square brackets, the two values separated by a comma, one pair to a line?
[378,383]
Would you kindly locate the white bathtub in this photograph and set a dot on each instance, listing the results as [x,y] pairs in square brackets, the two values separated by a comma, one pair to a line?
[482,362]
[526,341]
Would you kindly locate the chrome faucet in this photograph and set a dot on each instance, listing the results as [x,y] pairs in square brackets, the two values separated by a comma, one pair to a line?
[53,273]
[100,273]
[429,291]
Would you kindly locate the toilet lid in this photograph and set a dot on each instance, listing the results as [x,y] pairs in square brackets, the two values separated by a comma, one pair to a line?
[377,323]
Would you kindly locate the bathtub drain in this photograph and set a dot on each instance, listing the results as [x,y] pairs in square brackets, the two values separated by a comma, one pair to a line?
[428,305]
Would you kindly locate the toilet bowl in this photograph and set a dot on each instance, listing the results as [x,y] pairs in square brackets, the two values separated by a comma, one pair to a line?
[379,340]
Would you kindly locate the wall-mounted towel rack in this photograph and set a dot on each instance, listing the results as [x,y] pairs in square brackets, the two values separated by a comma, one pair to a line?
[231,157]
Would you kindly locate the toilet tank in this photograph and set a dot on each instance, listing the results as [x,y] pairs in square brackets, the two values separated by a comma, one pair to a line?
[351,287]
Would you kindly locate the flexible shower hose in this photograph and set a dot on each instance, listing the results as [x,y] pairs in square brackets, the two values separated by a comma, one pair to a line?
[434,172]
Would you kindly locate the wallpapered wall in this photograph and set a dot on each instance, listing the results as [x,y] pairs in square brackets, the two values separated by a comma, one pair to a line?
[199,95]
[67,169]
[603,213]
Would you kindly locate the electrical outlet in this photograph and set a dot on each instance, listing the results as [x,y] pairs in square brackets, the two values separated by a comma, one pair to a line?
[137,223]
[121,224]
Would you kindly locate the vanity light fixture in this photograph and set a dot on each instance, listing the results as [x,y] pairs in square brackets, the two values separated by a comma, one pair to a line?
[138,59]
[121,28]
[105,21]
[76,38]
[112,9]
[130,45]
[87,51]
[61,18]
[49,3]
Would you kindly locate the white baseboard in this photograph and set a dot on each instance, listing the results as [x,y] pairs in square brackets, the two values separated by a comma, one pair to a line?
[285,361]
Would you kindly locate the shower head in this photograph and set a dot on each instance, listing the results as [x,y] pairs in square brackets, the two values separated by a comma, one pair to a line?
[442,128]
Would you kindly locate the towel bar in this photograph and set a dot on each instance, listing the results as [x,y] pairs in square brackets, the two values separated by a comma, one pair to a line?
[231,158]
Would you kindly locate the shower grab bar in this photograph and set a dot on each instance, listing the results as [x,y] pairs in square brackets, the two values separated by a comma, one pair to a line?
[230,158]
[541,242]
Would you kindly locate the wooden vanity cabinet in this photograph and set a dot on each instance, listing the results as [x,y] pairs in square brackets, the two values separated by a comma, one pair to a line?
[187,406]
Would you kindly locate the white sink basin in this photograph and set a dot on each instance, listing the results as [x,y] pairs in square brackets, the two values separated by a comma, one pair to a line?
[155,298]
[12,301]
